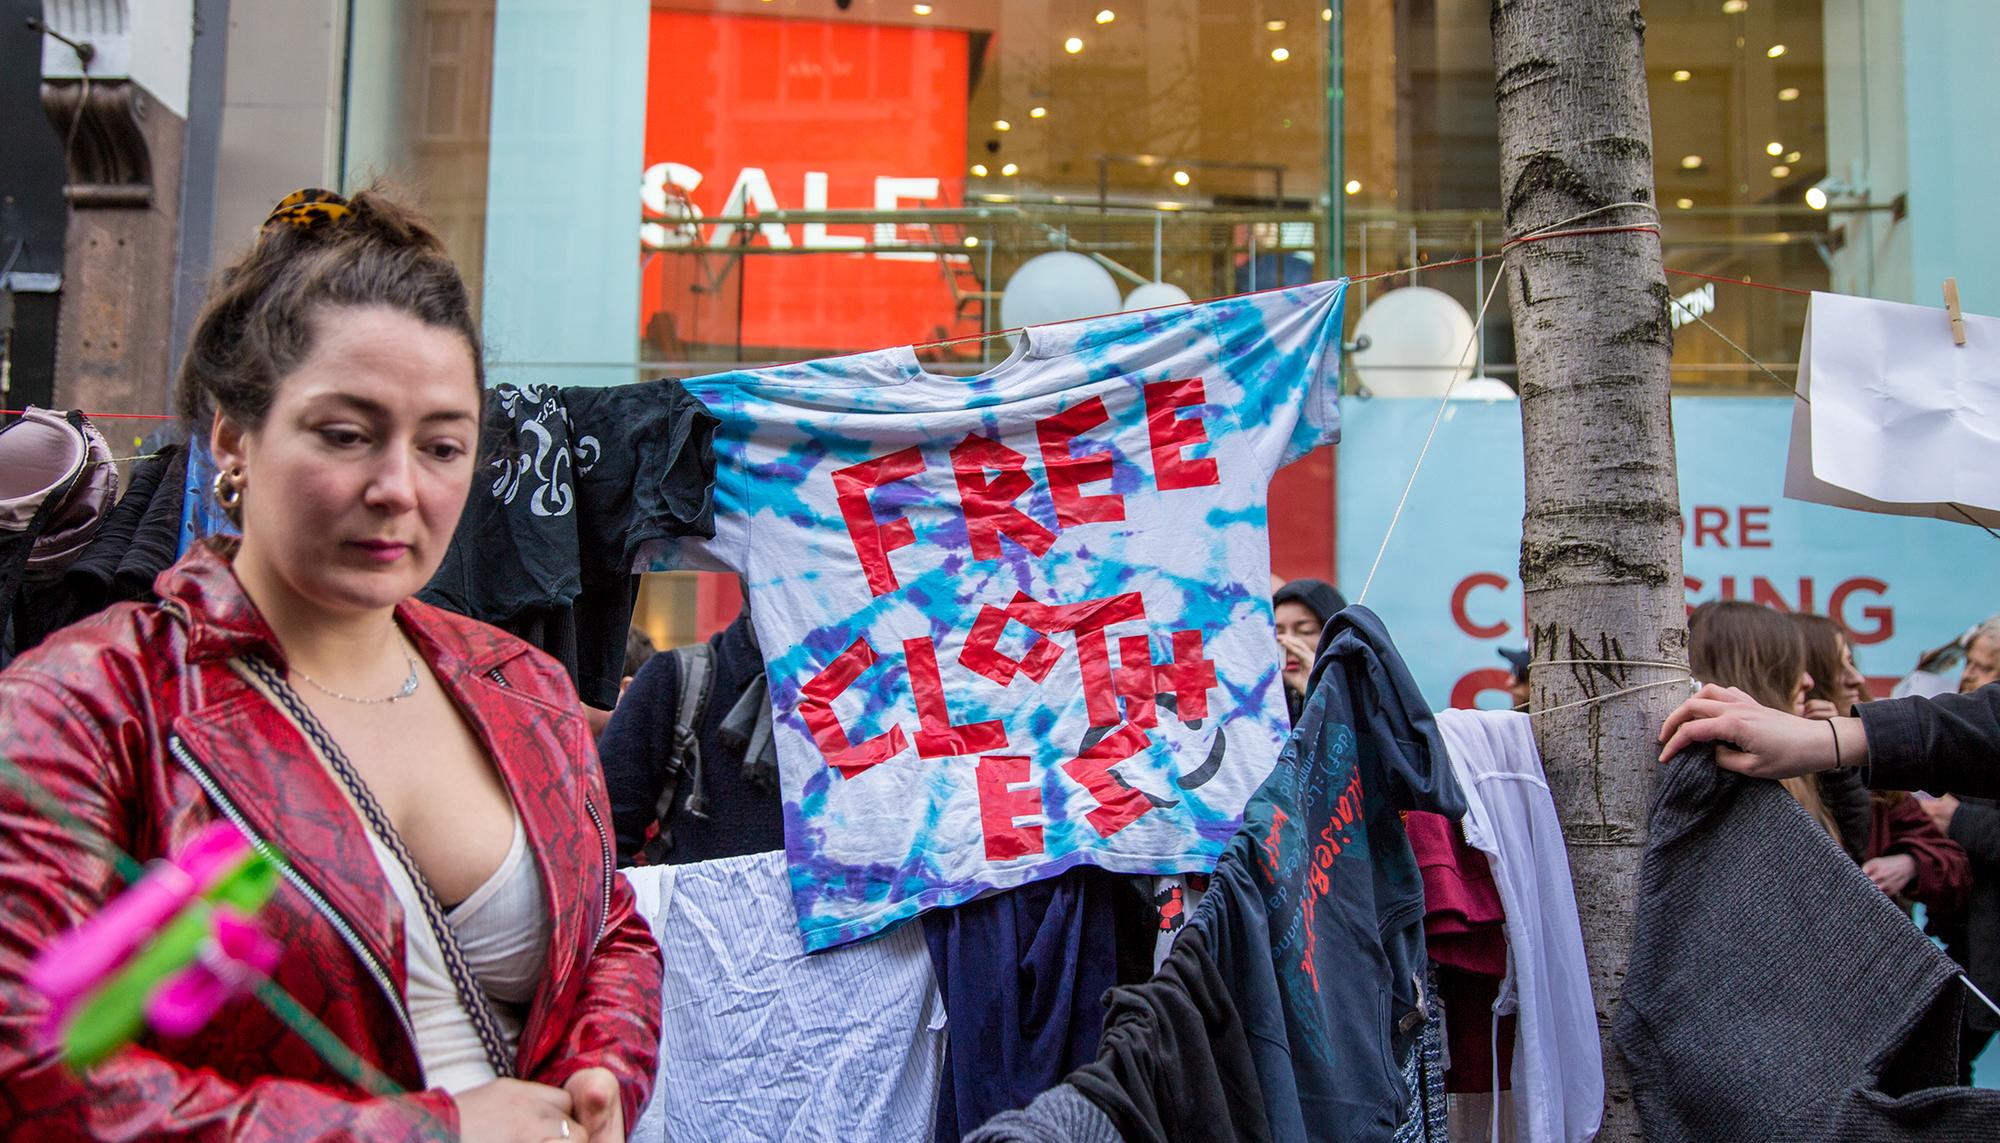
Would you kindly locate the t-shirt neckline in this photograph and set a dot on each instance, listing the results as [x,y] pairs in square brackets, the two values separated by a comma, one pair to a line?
[912,371]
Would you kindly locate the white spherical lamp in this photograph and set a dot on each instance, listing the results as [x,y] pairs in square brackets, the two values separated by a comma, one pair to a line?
[1418,339]
[1058,286]
[1153,295]
[1482,389]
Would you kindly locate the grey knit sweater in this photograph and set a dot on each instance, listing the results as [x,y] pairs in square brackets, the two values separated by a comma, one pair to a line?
[1774,993]
[1059,1115]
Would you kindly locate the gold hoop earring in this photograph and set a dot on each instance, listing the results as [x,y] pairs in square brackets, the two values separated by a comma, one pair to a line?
[228,489]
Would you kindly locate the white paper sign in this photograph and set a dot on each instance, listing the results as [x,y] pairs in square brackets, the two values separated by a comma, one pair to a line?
[1896,417]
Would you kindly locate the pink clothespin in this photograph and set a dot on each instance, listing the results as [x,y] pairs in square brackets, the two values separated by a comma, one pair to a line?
[168,952]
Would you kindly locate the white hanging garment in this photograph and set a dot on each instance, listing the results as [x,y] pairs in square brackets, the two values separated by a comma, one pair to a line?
[760,1040]
[1558,1077]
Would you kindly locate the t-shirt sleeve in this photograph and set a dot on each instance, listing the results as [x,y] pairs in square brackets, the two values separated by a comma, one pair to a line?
[728,550]
[1283,349]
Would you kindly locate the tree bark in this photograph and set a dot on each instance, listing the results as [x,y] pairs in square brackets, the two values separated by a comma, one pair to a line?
[1600,550]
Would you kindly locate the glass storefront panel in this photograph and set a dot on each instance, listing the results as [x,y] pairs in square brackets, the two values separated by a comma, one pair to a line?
[821,179]
[419,105]
[817,177]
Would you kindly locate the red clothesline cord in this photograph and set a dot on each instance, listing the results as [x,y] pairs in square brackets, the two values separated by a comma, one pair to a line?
[1741,282]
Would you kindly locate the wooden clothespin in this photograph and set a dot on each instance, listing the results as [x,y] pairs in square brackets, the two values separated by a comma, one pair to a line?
[1952,311]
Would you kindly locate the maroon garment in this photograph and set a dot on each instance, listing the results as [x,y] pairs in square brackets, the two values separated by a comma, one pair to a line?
[1464,932]
[137,722]
[1944,873]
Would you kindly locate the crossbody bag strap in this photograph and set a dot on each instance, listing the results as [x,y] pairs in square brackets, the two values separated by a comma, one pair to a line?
[478,1006]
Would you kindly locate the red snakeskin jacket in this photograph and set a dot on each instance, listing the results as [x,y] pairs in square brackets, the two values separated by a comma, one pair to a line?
[136,721]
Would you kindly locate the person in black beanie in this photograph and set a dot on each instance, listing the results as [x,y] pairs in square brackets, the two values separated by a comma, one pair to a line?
[1303,608]
[1517,675]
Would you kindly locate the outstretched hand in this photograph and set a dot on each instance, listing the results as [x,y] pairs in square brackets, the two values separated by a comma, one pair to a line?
[1751,738]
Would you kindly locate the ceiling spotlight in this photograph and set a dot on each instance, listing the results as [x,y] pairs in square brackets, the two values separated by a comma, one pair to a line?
[1781,171]
[1281,54]
[1353,186]
[1182,178]
[1038,113]
[1773,149]
[1683,75]
[1106,15]
[1684,203]
[921,9]
[1074,45]
[979,169]
[1003,125]
[1274,25]
[1690,162]
[1735,7]
[1775,50]
[972,240]
[1794,157]
[1787,94]
[1823,192]
[1010,170]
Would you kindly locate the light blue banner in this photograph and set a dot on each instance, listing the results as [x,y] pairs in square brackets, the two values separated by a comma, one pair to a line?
[1449,585]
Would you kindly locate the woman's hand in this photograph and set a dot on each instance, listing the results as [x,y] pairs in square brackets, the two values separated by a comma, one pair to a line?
[1751,738]
[1820,709]
[516,1111]
[1891,874]
[594,1098]
[1296,650]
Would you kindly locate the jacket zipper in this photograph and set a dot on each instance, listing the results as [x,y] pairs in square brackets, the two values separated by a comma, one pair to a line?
[604,843]
[319,903]
[603,835]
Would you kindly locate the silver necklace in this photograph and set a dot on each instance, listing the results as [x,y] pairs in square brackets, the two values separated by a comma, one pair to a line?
[408,688]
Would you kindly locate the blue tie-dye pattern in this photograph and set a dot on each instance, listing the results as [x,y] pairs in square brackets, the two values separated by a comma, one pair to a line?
[877,847]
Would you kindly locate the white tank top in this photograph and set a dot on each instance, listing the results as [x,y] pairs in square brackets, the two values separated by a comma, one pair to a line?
[503,927]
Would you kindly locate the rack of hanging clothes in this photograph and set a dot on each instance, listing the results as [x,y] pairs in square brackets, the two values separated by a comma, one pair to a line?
[70,543]
[1394,922]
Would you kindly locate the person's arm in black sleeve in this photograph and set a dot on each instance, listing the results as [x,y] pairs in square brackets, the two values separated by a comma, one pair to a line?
[634,749]
[1948,743]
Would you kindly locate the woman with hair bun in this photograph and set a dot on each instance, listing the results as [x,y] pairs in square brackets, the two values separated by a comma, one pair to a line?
[449,910]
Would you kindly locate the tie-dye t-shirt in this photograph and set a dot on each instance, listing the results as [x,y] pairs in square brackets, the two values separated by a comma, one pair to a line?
[1018,622]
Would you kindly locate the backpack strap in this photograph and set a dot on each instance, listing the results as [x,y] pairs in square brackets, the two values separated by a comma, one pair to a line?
[683,766]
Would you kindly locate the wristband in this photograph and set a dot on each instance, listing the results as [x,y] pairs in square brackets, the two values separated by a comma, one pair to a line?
[1860,767]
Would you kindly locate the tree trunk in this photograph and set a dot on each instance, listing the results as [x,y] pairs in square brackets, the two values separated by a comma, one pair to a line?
[1600,550]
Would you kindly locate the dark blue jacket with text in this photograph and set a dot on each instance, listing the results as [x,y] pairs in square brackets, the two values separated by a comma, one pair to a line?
[1316,911]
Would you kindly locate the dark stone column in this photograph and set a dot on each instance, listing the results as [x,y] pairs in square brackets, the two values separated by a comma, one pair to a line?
[123,152]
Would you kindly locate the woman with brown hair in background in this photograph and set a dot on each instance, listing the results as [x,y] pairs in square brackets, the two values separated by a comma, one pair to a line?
[1898,847]
[1757,650]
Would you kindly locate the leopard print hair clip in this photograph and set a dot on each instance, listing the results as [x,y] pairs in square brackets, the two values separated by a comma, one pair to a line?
[306,209]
